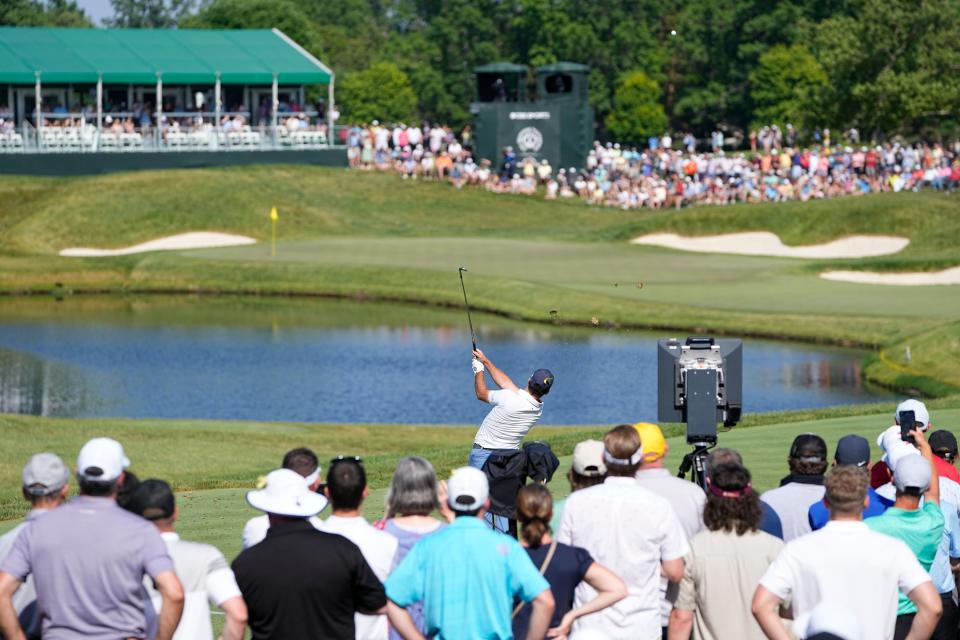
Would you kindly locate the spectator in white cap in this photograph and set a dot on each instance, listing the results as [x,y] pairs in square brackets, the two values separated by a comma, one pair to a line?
[303,461]
[920,527]
[586,470]
[300,583]
[45,487]
[881,472]
[633,531]
[849,564]
[203,571]
[467,576]
[88,559]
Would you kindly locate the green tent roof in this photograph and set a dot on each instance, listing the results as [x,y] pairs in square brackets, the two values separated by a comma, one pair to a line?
[182,56]
[501,67]
[564,67]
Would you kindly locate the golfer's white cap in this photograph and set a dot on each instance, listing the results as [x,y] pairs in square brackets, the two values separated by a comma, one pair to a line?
[287,494]
[831,618]
[921,415]
[101,460]
[912,471]
[467,489]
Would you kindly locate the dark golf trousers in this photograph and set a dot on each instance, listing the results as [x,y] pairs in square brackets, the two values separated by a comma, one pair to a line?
[946,627]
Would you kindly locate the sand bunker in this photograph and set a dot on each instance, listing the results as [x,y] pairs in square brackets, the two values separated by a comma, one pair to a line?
[947,276]
[764,243]
[193,240]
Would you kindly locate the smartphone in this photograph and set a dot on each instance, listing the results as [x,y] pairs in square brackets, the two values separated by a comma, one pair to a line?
[908,422]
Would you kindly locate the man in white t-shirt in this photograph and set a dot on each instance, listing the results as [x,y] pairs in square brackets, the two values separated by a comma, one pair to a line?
[848,564]
[347,489]
[202,569]
[303,461]
[630,529]
[514,413]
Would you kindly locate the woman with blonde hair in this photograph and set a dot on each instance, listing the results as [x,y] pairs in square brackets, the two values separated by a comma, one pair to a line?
[563,566]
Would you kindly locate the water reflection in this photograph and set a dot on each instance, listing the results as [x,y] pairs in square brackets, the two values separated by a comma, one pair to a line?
[347,362]
[33,386]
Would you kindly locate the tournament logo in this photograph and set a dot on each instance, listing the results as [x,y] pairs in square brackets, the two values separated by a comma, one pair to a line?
[529,140]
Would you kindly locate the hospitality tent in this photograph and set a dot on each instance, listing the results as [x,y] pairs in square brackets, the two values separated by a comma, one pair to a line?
[266,58]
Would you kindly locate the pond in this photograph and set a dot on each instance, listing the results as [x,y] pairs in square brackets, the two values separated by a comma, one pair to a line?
[347,361]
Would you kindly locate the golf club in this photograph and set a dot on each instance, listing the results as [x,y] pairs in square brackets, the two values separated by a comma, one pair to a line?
[473,337]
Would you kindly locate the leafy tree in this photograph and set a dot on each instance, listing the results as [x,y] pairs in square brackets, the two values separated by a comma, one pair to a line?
[637,111]
[787,86]
[36,13]
[284,15]
[148,14]
[381,92]
[909,75]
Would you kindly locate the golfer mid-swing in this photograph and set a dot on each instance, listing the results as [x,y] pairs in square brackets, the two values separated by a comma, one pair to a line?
[514,410]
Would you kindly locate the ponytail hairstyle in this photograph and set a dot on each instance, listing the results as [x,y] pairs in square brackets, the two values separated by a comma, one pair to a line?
[534,511]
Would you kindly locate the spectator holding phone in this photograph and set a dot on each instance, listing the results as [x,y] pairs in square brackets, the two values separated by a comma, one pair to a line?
[920,527]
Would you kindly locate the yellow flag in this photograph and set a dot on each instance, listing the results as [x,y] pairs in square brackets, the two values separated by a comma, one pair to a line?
[273,213]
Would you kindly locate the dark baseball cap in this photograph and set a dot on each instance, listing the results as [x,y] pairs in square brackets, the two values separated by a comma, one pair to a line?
[541,381]
[853,450]
[153,500]
[942,441]
[809,447]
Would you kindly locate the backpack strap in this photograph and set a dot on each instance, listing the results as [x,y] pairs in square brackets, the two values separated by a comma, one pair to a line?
[543,570]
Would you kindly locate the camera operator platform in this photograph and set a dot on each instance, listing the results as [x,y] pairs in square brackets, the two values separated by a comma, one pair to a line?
[700,384]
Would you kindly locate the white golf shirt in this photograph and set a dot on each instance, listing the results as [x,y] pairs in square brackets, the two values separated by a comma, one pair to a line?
[378,549]
[850,565]
[205,576]
[514,412]
[630,530]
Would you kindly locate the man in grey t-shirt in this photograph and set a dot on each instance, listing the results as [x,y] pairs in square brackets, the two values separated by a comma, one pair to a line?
[88,559]
[804,486]
[45,485]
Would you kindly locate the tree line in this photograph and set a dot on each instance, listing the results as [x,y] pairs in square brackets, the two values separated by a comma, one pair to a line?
[885,67]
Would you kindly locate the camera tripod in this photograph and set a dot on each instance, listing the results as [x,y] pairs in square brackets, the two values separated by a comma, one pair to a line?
[696,463]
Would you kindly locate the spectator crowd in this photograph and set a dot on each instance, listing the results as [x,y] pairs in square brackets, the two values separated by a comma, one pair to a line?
[667,172]
[844,551]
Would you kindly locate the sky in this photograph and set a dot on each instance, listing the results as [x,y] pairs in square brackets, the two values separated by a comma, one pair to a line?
[96,9]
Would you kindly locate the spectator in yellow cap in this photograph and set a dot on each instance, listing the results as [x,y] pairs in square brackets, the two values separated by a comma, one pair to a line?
[686,498]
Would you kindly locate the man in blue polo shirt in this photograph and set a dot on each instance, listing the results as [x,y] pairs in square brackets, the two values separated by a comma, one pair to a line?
[854,451]
[468,576]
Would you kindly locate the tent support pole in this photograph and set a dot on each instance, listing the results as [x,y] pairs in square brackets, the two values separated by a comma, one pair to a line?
[276,103]
[159,108]
[216,109]
[38,120]
[331,137]
[99,103]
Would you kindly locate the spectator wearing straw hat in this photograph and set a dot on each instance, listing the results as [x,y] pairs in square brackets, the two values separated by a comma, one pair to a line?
[303,461]
[300,583]
[45,487]
[468,576]
[630,529]
[89,558]
[686,498]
